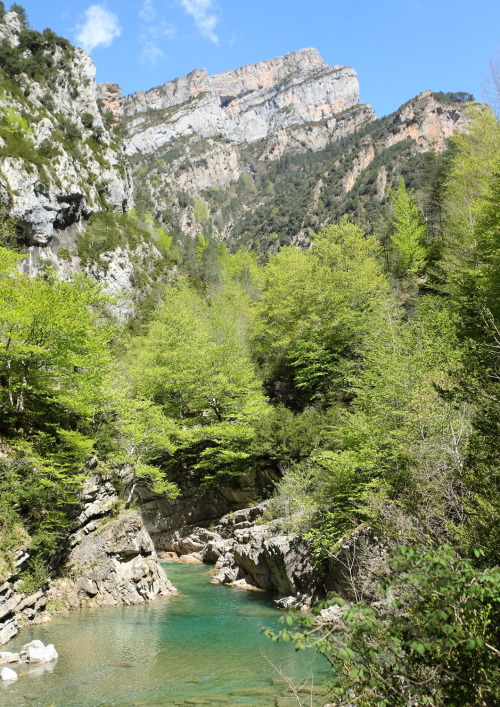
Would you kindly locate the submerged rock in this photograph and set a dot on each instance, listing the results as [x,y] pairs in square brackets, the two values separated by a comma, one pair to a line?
[8,657]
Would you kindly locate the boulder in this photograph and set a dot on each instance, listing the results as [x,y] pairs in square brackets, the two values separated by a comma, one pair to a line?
[8,674]
[36,652]
[5,656]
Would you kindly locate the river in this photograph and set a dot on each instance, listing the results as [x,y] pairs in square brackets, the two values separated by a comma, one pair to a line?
[203,646]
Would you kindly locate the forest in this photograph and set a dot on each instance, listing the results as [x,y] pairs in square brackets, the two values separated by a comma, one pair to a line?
[362,371]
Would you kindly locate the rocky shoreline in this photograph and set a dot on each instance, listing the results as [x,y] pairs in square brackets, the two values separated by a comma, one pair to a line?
[109,560]
[250,553]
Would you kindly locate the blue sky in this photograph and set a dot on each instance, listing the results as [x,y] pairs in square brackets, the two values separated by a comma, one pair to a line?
[398,47]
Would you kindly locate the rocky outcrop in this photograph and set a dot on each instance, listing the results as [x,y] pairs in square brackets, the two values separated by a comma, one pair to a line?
[17,608]
[35,652]
[241,106]
[115,564]
[111,95]
[250,553]
[203,132]
[109,560]
[201,146]
[198,505]
[112,559]
[61,163]
[117,271]
[261,555]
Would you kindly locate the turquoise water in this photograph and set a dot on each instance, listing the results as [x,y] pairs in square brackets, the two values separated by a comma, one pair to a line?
[203,646]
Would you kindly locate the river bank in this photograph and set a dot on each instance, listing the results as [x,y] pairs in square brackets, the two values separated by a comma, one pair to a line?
[203,646]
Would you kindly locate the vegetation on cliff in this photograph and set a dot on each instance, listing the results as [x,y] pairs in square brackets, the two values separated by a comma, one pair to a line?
[362,370]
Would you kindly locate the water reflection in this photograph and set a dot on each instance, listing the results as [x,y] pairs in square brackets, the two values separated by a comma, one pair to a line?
[204,644]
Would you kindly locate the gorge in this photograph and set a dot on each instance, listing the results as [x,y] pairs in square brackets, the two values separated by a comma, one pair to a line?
[246,323]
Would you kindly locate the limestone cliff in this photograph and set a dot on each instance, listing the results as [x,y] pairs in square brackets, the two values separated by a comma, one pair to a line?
[202,147]
[240,106]
[59,160]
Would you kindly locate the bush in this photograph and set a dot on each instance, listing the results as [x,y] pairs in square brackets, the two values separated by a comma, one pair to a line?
[432,639]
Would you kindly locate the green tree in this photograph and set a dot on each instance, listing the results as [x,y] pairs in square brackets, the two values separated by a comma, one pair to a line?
[54,368]
[431,639]
[21,13]
[53,346]
[407,238]
[471,266]
[316,307]
[193,364]
[468,191]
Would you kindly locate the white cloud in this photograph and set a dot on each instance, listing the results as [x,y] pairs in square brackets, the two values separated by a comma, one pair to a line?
[147,11]
[152,30]
[205,20]
[99,29]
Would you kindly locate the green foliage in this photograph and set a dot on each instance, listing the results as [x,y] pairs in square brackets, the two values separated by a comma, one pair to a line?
[407,238]
[147,435]
[54,365]
[193,364]
[453,97]
[13,122]
[34,54]
[432,639]
[52,346]
[21,13]
[9,233]
[474,167]
[285,437]
[87,120]
[471,266]
[316,306]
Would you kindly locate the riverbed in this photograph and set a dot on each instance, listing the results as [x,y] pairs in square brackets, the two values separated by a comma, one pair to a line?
[203,646]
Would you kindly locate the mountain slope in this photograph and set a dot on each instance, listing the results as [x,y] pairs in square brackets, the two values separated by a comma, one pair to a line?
[260,156]
[59,160]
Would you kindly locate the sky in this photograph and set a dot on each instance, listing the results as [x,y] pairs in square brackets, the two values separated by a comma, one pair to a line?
[398,47]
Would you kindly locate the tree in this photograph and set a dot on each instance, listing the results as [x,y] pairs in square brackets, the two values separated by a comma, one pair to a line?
[431,639]
[21,13]
[53,347]
[193,364]
[408,233]
[54,368]
[471,266]
[316,307]
[468,191]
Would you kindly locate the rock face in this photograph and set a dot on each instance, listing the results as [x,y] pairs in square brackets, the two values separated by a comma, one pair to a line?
[197,506]
[201,146]
[261,555]
[250,553]
[117,564]
[241,106]
[62,164]
[17,609]
[203,132]
[111,95]
[111,561]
